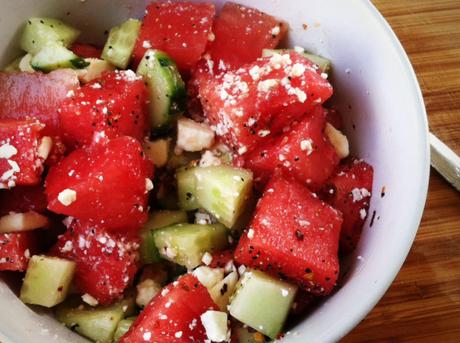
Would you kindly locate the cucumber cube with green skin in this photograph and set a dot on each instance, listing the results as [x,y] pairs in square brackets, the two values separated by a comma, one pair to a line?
[167,92]
[96,323]
[323,63]
[47,280]
[187,188]
[38,32]
[185,244]
[55,56]
[262,302]
[120,44]
[148,250]
[123,327]
[223,191]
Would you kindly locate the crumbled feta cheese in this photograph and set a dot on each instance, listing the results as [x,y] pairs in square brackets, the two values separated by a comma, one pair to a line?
[299,49]
[215,324]
[307,145]
[68,246]
[70,93]
[209,159]
[250,233]
[193,136]
[359,194]
[89,299]
[242,150]
[45,147]
[300,94]
[146,44]
[275,31]
[211,37]
[208,277]
[255,73]
[146,336]
[146,290]
[297,70]
[266,85]
[207,258]
[263,133]
[362,213]
[203,218]
[7,151]
[284,292]
[178,334]
[338,140]
[148,185]
[67,197]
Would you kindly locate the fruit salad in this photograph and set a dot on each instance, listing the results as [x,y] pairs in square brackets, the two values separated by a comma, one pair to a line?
[189,181]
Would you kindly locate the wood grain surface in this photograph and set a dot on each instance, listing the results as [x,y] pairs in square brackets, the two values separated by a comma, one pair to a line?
[423,304]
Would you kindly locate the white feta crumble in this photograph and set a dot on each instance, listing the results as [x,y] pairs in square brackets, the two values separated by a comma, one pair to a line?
[362,213]
[146,336]
[7,151]
[89,299]
[297,70]
[275,31]
[263,133]
[148,185]
[178,334]
[306,145]
[255,73]
[207,258]
[299,49]
[215,324]
[284,292]
[359,194]
[266,85]
[68,246]
[250,233]
[242,150]
[146,44]
[300,94]
[67,197]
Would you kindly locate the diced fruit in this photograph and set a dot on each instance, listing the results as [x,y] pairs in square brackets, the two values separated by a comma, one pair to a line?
[262,302]
[20,222]
[146,291]
[293,235]
[338,140]
[221,258]
[179,29]
[20,160]
[40,31]
[111,106]
[120,44]
[96,323]
[166,88]
[257,101]
[223,290]
[148,250]
[55,56]
[185,244]
[104,183]
[173,316]
[123,327]
[86,50]
[216,326]
[223,191]
[303,152]
[47,280]
[106,262]
[187,188]
[16,249]
[193,136]
[36,95]
[23,199]
[25,64]
[94,70]
[323,63]
[241,33]
[157,151]
[209,277]
[349,191]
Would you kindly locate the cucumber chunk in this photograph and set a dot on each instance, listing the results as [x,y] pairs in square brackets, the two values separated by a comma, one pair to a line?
[96,323]
[185,244]
[148,250]
[38,32]
[187,189]
[94,69]
[223,290]
[123,327]
[47,280]
[25,64]
[223,191]
[55,56]
[323,63]
[262,302]
[166,88]
[120,44]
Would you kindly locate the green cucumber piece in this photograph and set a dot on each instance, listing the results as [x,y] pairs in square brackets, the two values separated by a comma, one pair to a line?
[262,302]
[187,189]
[166,88]
[148,250]
[38,32]
[223,191]
[120,44]
[47,280]
[55,56]
[185,244]
[96,323]
[323,63]
[123,327]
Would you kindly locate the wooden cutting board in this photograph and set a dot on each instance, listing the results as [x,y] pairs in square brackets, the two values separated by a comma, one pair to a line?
[423,304]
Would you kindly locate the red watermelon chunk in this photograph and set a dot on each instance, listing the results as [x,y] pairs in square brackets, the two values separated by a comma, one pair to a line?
[293,235]
[106,262]
[86,50]
[113,105]
[21,161]
[303,152]
[221,258]
[349,191]
[181,29]
[241,33]
[104,183]
[36,95]
[23,199]
[16,249]
[257,101]
[173,316]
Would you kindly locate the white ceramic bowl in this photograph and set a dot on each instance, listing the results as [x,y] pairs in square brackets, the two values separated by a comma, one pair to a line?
[376,91]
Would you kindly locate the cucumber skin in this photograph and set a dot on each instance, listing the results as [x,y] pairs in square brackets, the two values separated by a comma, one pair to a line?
[187,189]
[119,53]
[39,31]
[55,56]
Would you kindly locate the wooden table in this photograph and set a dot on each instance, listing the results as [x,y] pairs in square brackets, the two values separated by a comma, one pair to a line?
[423,304]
